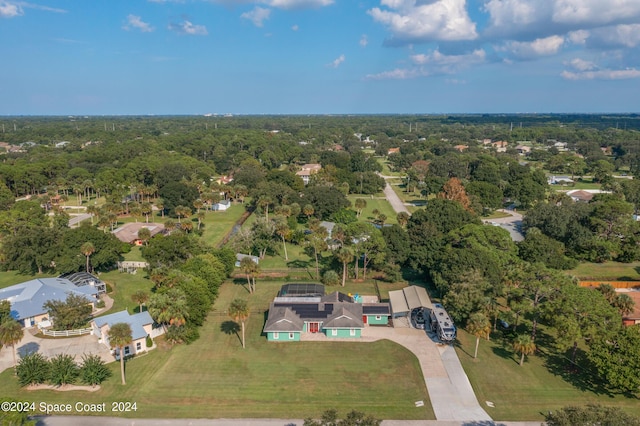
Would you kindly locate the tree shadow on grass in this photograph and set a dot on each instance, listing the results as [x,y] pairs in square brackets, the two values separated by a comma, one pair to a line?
[231,327]
[456,344]
[242,282]
[581,375]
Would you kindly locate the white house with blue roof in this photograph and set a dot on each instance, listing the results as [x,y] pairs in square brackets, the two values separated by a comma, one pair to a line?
[141,326]
[27,299]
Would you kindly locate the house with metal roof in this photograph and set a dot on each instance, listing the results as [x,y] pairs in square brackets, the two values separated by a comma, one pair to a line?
[303,308]
[84,278]
[141,326]
[27,299]
[128,233]
[409,298]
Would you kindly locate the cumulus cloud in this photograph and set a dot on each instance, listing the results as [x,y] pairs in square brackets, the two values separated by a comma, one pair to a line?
[298,4]
[338,61]
[364,40]
[619,35]
[540,47]
[295,28]
[418,21]
[188,28]
[398,74]
[581,65]
[440,63]
[258,15]
[594,11]
[10,10]
[136,23]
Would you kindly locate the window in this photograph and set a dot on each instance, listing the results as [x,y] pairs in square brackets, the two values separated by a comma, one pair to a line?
[334,331]
[378,317]
[276,336]
[291,336]
[127,350]
[138,346]
[352,332]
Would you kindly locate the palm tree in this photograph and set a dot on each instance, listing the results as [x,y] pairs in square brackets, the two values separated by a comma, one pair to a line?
[360,204]
[140,297]
[479,326]
[239,311]
[88,249]
[345,256]
[308,210]
[250,268]
[120,335]
[11,333]
[282,229]
[264,202]
[146,209]
[624,303]
[200,219]
[182,211]
[144,234]
[93,210]
[402,218]
[160,206]
[524,346]
[198,204]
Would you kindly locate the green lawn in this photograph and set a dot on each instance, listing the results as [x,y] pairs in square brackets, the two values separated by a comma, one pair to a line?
[217,224]
[215,378]
[122,285]
[542,384]
[9,278]
[614,271]
[378,202]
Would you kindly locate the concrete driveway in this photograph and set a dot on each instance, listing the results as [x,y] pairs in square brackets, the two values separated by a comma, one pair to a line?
[74,346]
[512,223]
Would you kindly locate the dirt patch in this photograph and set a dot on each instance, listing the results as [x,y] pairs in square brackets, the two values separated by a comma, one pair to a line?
[64,388]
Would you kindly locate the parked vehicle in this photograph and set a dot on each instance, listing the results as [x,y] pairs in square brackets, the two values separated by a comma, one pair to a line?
[417,318]
[442,324]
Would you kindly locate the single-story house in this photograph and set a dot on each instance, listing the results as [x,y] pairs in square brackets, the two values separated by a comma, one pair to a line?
[632,318]
[221,206]
[27,299]
[580,196]
[84,278]
[303,308]
[240,256]
[409,298]
[141,326]
[393,151]
[560,180]
[307,171]
[523,149]
[128,233]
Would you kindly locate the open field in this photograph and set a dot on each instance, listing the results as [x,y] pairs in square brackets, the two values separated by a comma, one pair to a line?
[121,286]
[614,271]
[378,202]
[218,224]
[542,384]
[219,379]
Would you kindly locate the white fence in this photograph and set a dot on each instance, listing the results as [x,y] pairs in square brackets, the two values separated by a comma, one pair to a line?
[67,333]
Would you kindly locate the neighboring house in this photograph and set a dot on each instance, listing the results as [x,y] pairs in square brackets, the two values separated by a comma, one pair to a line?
[240,256]
[393,151]
[580,196]
[329,227]
[303,308]
[141,326]
[559,180]
[221,206]
[307,171]
[27,299]
[634,317]
[128,233]
[224,180]
[81,279]
[523,149]
[460,148]
[500,146]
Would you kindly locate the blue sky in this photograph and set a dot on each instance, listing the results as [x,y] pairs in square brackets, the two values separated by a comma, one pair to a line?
[97,57]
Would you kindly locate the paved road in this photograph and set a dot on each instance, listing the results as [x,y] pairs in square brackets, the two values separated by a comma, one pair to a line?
[512,223]
[76,219]
[394,200]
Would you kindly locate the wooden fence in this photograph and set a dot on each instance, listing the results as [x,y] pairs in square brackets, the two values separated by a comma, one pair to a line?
[614,284]
[67,333]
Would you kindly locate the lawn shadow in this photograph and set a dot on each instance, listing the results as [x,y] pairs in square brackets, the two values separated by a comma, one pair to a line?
[231,327]
[29,348]
[577,375]
[456,344]
[242,282]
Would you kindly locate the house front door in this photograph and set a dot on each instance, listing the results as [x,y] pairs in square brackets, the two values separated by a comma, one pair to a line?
[364,319]
[314,327]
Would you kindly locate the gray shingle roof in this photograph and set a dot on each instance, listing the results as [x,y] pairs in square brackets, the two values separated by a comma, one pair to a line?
[282,319]
[27,298]
[136,321]
[345,315]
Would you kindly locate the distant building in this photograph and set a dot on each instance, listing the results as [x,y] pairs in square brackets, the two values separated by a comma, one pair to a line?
[240,256]
[221,206]
[128,233]
[393,151]
[307,171]
[460,148]
[559,180]
[580,196]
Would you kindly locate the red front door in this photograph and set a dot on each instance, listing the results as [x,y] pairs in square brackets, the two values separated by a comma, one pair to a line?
[364,319]
[314,327]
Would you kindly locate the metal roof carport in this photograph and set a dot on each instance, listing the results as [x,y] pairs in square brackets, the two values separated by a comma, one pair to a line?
[405,300]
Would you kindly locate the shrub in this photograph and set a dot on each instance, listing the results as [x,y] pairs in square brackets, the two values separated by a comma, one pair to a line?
[63,370]
[93,370]
[32,369]
[182,334]
[100,304]
[330,278]
[149,341]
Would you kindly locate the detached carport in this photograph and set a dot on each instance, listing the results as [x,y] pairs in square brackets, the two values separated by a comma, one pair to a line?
[405,300]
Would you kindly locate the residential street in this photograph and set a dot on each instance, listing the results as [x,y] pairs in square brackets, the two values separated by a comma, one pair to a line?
[513,224]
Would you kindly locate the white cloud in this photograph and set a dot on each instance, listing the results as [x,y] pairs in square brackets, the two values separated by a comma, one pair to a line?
[578,37]
[619,35]
[604,74]
[258,15]
[295,28]
[540,47]
[364,40]
[594,11]
[398,74]
[338,61]
[188,28]
[10,10]
[415,20]
[297,4]
[448,64]
[135,22]
[582,65]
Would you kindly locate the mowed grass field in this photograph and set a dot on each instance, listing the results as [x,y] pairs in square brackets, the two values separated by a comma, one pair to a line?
[614,271]
[542,384]
[215,378]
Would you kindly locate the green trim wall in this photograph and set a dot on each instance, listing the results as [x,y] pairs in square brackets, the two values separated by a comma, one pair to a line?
[343,333]
[371,319]
[283,336]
